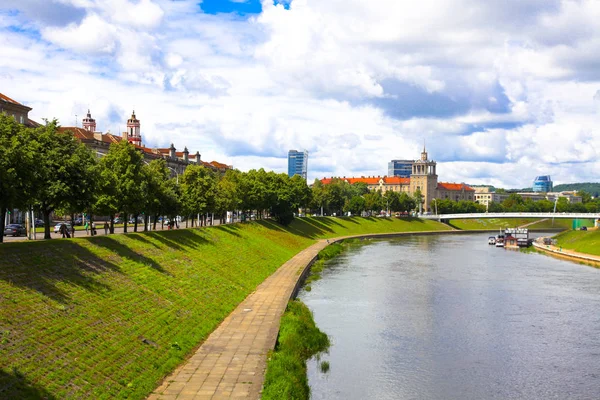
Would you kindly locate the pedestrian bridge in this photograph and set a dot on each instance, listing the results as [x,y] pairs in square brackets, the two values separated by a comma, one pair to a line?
[440,217]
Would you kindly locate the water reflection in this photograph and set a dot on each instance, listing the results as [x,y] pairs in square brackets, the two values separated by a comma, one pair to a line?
[449,317]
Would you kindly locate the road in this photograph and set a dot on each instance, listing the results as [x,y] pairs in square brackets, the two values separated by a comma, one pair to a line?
[81,233]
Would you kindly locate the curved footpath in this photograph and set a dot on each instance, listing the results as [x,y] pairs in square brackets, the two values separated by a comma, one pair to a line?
[565,253]
[231,363]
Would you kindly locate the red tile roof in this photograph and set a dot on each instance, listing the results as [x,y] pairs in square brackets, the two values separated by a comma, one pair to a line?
[372,180]
[8,99]
[455,186]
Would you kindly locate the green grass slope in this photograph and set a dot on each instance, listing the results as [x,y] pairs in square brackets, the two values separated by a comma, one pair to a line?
[581,241]
[110,316]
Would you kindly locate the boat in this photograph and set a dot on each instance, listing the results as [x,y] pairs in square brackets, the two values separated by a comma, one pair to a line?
[500,241]
[492,240]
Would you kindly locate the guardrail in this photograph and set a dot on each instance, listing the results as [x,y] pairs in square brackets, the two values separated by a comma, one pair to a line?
[512,215]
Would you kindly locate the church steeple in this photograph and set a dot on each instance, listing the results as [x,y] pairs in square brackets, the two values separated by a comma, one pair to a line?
[133,130]
[89,123]
[424,153]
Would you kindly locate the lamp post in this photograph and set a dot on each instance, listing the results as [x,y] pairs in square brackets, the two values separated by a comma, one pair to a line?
[176,174]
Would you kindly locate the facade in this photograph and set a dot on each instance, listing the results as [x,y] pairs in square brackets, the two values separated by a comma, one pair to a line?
[542,184]
[423,178]
[484,195]
[401,168]
[100,142]
[298,163]
[18,111]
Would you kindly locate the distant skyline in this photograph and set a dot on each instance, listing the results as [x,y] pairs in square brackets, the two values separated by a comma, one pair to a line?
[501,91]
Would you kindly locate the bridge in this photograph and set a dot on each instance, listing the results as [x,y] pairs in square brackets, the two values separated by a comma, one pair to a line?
[446,217]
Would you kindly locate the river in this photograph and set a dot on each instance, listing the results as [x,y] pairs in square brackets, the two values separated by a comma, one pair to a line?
[450,317]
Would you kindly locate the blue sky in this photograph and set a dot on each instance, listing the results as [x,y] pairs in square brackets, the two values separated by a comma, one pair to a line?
[500,92]
[230,6]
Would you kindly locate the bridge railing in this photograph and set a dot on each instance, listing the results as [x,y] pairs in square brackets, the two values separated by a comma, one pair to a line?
[512,215]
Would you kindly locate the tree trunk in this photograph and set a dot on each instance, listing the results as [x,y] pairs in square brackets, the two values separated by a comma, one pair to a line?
[135,222]
[155,218]
[146,220]
[125,217]
[3,214]
[47,224]
[112,224]
[186,222]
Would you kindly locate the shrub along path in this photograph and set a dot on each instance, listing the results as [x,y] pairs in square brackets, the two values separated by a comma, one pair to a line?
[231,363]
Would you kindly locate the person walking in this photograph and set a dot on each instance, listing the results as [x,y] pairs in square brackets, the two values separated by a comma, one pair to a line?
[73,230]
[93,228]
[87,227]
[63,230]
[106,227]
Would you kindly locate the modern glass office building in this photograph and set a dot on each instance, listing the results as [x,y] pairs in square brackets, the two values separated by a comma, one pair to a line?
[401,168]
[542,184]
[298,163]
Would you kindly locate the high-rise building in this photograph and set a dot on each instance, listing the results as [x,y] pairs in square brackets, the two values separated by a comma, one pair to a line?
[401,168]
[298,163]
[542,184]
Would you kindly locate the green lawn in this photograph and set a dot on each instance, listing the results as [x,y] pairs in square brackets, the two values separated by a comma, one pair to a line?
[581,241]
[109,316]
[498,223]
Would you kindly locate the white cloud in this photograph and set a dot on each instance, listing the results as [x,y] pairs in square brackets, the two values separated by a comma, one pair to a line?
[499,93]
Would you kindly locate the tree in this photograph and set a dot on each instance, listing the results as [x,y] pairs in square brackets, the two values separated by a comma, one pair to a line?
[227,196]
[301,193]
[374,201]
[122,181]
[407,203]
[17,166]
[356,205]
[198,186]
[162,196]
[418,198]
[64,172]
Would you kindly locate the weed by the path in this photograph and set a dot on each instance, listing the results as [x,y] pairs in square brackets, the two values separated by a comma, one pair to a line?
[299,339]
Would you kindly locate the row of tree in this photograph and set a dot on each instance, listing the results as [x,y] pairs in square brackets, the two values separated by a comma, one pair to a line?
[50,171]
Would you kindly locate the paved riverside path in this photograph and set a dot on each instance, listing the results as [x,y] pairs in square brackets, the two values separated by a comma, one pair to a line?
[232,361]
[572,254]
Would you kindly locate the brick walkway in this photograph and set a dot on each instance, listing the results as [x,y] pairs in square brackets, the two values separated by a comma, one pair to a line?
[572,254]
[232,361]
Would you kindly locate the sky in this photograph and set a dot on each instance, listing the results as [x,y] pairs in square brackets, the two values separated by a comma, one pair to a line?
[499,91]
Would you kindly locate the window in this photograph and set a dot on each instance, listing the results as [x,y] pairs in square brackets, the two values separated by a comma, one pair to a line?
[21,119]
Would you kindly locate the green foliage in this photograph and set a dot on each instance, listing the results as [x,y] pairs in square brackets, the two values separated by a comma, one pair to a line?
[299,339]
[593,188]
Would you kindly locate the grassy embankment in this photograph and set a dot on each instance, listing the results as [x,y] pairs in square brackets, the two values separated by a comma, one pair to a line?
[110,316]
[500,223]
[581,241]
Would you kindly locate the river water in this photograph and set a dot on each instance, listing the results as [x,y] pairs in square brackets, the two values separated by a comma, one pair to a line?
[450,317]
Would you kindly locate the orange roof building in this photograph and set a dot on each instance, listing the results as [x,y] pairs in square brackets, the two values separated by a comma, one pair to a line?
[423,179]
[17,110]
[99,142]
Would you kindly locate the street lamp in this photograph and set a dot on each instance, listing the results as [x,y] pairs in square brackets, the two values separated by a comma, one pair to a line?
[176,174]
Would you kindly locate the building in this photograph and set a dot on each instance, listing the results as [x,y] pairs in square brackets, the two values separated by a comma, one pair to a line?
[298,163]
[542,184]
[401,168]
[18,111]
[100,142]
[423,178]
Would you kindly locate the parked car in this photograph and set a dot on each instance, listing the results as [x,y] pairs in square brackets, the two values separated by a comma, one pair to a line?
[57,227]
[78,221]
[118,220]
[14,230]
[39,222]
